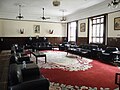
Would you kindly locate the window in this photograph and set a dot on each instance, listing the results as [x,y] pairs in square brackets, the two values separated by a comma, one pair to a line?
[72,29]
[97,29]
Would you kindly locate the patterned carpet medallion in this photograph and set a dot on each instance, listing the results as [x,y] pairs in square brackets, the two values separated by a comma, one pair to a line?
[60,60]
[57,86]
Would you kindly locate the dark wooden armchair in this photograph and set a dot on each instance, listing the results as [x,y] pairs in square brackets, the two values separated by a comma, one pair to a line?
[108,55]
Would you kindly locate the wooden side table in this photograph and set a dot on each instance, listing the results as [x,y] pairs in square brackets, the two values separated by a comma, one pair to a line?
[117,79]
[39,54]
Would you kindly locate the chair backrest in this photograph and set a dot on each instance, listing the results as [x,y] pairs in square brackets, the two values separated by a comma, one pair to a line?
[85,46]
[12,59]
[93,47]
[111,49]
[15,75]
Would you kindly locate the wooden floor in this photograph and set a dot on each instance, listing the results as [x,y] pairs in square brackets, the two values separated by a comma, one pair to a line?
[4,68]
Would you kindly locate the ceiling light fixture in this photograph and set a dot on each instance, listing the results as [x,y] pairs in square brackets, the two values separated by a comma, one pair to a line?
[114,3]
[63,18]
[20,15]
[43,17]
[56,3]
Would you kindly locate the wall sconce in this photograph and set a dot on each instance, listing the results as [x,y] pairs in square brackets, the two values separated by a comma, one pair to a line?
[21,31]
[37,36]
[1,39]
[30,38]
[51,31]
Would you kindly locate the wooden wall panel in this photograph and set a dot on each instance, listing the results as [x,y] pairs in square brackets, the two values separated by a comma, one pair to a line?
[82,40]
[112,41]
[56,40]
[7,42]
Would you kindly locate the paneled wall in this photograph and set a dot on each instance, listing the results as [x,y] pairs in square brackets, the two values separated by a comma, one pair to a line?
[9,31]
[82,40]
[113,36]
[9,41]
[113,41]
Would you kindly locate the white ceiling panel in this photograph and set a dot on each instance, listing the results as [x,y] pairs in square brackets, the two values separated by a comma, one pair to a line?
[32,9]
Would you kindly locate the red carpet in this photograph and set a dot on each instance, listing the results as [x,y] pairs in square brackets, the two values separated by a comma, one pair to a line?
[100,75]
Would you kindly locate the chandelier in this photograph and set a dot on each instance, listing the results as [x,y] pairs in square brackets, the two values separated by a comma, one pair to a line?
[20,15]
[56,3]
[63,18]
[114,3]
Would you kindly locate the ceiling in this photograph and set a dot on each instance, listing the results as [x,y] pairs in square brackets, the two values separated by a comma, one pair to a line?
[32,9]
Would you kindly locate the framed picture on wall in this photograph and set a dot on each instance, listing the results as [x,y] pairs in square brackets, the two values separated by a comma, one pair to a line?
[36,28]
[82,27]
[117,23]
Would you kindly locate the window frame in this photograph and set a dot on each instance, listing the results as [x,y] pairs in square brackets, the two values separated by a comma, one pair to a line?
[76,34]
[104,28]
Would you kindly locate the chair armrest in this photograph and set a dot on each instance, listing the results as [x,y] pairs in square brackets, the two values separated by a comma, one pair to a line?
[27,62]
[38,84]
[24,58]
[60,45]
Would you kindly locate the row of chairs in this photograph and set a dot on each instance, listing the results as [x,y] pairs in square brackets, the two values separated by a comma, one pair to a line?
[25,78]
[109,54]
